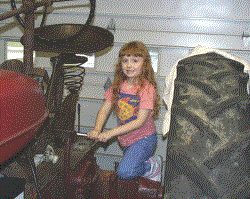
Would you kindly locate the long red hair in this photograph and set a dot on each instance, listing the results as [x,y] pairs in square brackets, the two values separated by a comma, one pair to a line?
[136,48]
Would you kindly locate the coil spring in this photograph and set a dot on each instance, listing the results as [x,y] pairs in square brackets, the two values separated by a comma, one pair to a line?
[73,76]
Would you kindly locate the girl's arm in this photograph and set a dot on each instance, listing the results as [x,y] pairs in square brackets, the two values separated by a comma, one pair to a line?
[126,128]
[101,119]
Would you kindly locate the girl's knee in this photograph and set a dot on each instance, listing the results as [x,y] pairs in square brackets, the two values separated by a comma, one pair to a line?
[125,174]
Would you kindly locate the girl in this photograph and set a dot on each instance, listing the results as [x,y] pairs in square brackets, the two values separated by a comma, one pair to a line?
[134,96]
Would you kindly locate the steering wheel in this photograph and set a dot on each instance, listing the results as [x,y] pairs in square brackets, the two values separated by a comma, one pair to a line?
[88,22]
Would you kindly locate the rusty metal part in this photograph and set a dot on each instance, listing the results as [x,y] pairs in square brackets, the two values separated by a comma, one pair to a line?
[28,41]
[29,6]
[23,9]
[13,65]
[93,39]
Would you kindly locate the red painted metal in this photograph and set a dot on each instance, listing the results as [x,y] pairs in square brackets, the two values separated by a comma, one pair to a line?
[22,112]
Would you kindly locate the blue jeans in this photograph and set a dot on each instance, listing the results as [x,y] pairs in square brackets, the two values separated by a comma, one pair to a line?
[134,162]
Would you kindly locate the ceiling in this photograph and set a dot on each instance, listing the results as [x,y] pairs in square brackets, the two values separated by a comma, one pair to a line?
[205,9]
[216,9]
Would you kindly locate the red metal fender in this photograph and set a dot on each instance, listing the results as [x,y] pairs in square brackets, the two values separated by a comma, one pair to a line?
[22,112]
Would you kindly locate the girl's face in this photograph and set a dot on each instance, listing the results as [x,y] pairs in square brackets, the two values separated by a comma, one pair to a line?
[132,66]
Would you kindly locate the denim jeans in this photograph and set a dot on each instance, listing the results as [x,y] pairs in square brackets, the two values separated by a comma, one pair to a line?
[134,162]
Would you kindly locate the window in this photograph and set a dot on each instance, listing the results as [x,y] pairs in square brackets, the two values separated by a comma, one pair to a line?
[15,50]
[91,60]
[154,58]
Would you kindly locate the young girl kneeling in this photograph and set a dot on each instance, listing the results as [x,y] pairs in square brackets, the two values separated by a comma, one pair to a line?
[134,96]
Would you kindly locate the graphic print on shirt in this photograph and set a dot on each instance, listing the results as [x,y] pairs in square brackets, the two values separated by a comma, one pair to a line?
[128,106]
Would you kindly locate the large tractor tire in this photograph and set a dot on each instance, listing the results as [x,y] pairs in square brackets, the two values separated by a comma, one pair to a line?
[208,141]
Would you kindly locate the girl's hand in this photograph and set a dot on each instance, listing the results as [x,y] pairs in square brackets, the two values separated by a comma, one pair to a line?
[93,134]
[104,137]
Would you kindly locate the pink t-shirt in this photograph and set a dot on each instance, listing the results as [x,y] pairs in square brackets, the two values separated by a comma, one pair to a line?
[128,107]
